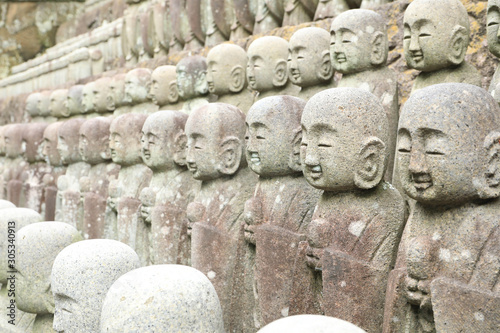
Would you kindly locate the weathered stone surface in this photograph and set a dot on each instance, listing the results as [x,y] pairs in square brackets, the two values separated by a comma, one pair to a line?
[137,86]
[192,84]
[310,323]
[162,298]
[164,92]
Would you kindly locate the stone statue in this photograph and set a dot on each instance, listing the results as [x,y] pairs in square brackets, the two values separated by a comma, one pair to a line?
[438,52]
[81,276]
[299,11]
[192,84]
[309,64]
[170,298]
[116,95]
[53,160]
[44,106]
[493,24]
[193,31]
[269,15]
[218,21]
[160,28]
[125,145]
[332,8]
[12,220]
[164,92]
[267,71]
[4,204]
[446,275]
[243,19]
[57,103]
[88,106]
[355,230]
[31,107]
[215,155]
[100,96]
[38,244]
[73,105]
[361,57]
[68,202]
[277,216]
[14,164]
[171,188]
[94,150]
[137,86]
[311,323]
[180,24]
[226,76]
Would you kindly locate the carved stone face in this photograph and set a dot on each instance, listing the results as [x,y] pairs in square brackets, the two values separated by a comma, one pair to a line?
[272,125]
[32,141]
[493,25]
[226,69]
[57,99]
[164,86]
[100,88]
[94,140]
[125,139]
[116,92]
[148,200]
[430,30]
[13,135]
[192,77]
[88,98]
[49,145]
[44,104]
[266,69]
[31,106]
[68,141]
[308,53]
[73,102]
[441,157]
[137,84]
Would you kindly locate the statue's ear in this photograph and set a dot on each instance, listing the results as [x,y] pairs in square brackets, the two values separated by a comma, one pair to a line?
[370,164]
[294,159]
[325,72]
[180,144]
[238,79]
[173,93]
[489,186]
[458,45]
[230,153]
[280,76]
[201,84]
[379,49]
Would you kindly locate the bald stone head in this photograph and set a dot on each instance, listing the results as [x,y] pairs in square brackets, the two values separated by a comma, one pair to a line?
[216,141]
[192,77]
[4,204]
[310,323]
[81,276]
[49,146]
[309,57]
[88,98]
[94,140]
[163,140]
[448,143]
[13,136]
[31,106]
[57,103]
[274,136]
[116,92]
[358,41]
[436,34]
[164,86]
[100,88]
[125,138]
[68,138]
[227,64]
[493,24]
[137,86]
[11,220]
[32,141]
[44,103]
[170,298]
[345,131]
[74,101]
[267,63]
[38,245]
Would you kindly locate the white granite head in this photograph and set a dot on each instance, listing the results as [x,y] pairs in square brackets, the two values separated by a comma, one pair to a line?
[162,298]
[310,323]
[11,220]
[4,204]
[81,276]
[37,246]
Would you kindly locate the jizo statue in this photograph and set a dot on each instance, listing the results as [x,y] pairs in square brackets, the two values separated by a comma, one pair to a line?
[436,37]
[244,12]
[164,92]
[355,230]
[116,95]
[57,103]
[73,105]
[88,106]
[192,85]
[299,11]
[137,86]
[269,16]
[14,164]
[445,279]
[100,98]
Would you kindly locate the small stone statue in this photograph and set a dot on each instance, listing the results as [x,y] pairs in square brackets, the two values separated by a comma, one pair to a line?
[438,52]
[269,15]
[168,298]
[57,103]
[125,145]
[218,20]
[94,150]
[243,19]
[277,216]
[88,106]
[44,106]
[493,24]
[311,323]
[215,155]
[356,227]
[299,11]
[164,91]
[171,188]
[100,97]
[226,76]
[38,244]
[267,71]
[31,107]
[14,164]
[137,86]
[116,96]
[309,62]
[446,275]
[192,84]
[332,8]
[361,57]
[81,276]
[73,105]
